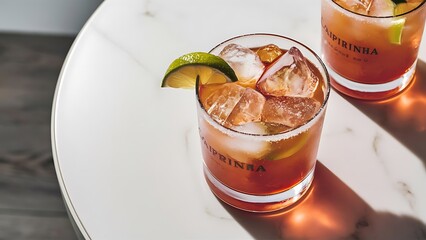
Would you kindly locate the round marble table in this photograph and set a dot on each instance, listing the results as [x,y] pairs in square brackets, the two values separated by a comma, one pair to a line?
[127,154]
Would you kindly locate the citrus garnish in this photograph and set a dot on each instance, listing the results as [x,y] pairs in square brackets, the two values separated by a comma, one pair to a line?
[299,142]
[401,7]
[404,7]
[395,31]
[399,1]
[207,68]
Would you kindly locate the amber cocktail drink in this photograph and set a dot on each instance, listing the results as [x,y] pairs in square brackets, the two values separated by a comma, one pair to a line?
[260,135]
[371,46]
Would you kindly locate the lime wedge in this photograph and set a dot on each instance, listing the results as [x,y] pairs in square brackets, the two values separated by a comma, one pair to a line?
[208,68]
[402,8]
[301,141]
[395,31]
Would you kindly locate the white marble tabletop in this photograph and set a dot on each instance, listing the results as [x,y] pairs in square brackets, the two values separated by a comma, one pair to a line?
[127,153]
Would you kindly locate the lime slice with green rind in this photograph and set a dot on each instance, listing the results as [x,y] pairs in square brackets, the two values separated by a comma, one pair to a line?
[208,68]
[291,150]
[395,31]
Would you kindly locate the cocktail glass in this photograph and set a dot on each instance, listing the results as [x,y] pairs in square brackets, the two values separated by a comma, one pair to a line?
[371,54]
[263,172]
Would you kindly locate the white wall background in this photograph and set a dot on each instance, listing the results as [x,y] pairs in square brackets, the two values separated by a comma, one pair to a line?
[63,17]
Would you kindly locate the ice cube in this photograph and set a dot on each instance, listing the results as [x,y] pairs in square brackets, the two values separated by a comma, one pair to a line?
[289,75]
[248,109]
[289,111]
[251,128]
[269,53]
[247,65]
[222,101]
[246,150]
[359,6]
[382,8]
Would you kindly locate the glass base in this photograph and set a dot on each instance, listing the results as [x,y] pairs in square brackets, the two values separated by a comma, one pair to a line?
[259,203]
[371,91]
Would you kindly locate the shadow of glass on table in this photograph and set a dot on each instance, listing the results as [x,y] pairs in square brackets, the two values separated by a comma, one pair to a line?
[330,210]
[403,116]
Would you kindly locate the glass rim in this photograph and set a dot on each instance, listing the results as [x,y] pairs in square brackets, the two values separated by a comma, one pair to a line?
[378,17]
[282,135]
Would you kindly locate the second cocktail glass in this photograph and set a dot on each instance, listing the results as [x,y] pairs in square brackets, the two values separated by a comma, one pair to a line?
[371,46]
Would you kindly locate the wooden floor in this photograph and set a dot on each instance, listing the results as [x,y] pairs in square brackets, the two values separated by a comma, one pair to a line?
[31,206]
